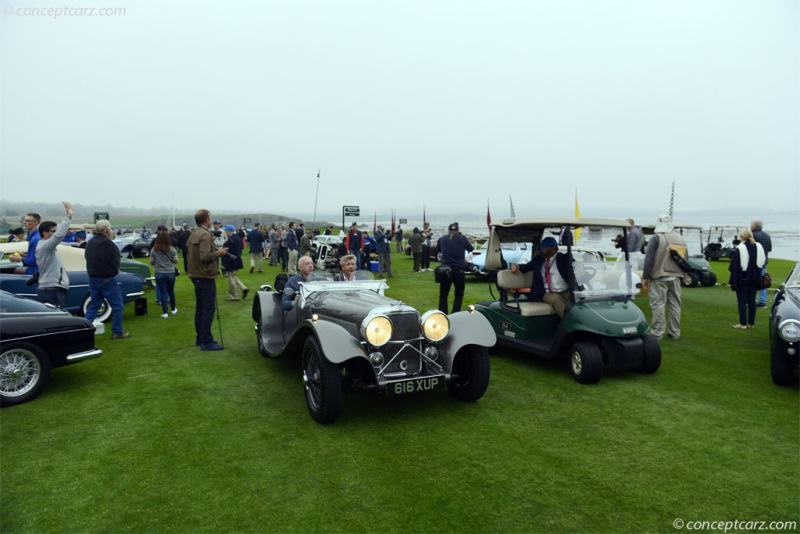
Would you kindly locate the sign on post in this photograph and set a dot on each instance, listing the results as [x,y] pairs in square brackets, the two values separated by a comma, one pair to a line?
[352,211]
[101,215]
[403,221]
[246,221]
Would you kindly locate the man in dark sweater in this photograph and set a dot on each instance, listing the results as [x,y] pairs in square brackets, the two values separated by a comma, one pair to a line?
[763,238]
[102,265]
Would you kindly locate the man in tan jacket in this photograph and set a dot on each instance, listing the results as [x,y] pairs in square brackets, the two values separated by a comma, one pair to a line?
[203,268]
[662,277]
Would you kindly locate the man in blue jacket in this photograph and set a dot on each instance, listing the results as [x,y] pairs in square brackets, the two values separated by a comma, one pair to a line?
[553,286]
[31,224]
[256,240]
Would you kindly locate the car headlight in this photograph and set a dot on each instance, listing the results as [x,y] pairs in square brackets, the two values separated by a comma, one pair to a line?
[435,325]
[377,330]
[789,330]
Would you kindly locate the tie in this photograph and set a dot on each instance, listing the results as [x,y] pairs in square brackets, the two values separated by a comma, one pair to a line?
[547,275]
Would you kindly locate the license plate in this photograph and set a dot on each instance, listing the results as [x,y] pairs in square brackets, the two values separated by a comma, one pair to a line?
[415,385]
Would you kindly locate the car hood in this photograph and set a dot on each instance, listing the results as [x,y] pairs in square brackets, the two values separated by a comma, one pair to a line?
[352,306]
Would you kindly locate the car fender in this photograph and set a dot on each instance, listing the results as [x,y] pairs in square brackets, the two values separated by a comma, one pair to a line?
[467,328]
[338,345]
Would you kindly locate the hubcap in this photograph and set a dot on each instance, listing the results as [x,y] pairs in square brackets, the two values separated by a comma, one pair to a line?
[18,372]
[576,363]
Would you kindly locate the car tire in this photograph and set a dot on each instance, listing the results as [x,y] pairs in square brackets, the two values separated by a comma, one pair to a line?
[144,252]
[586,362]
[652,356]
[262,349]
[693,280]
[709,279]
[322,383]
[471,365]
[103,313]
[24,369]
[782,370]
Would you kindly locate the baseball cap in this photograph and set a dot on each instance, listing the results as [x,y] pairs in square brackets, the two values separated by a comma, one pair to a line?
[548,242]
[229,228]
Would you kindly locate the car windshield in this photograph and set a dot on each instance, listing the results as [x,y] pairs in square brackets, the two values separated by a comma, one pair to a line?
[364,280]
[793,282]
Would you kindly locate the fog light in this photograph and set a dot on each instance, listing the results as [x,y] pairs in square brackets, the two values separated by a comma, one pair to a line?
[376,358]
[791,351]
[432,353]
[471,308]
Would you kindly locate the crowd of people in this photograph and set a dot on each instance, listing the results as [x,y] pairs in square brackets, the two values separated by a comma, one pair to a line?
[211,250]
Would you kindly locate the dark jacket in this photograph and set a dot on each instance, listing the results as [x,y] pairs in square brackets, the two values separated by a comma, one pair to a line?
[454,250]
[748,276]
[102,257]
[234,246]
[763,237]
[292,243]
[564,266]
[256,241]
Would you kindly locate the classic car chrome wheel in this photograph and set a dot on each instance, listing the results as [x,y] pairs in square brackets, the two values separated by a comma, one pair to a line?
[586,362]
[322,382]
[144,252]
[23,373]
[103,312]
[471,365]
[652,356]
[260,338]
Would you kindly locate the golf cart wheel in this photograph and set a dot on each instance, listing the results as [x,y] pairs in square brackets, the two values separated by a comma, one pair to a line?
[782,370]
[322,382]
[709,279]
[24,369]
[690,280]
[586,362]
[471,365]
[652,356]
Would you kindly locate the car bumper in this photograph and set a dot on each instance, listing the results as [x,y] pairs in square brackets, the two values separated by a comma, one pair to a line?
[85,355]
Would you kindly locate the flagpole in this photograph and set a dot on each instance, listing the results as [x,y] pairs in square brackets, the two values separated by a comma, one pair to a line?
[315,201]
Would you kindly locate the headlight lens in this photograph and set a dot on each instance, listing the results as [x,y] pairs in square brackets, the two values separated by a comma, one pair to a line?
[790,330]
[435,325]
[377,330]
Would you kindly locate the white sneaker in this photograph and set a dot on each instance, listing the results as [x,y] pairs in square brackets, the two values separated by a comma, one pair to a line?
[164,315]
[100,327]
[175,311]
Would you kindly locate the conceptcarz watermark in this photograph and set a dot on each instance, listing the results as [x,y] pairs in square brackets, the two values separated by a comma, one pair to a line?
[63,11]
[733,525]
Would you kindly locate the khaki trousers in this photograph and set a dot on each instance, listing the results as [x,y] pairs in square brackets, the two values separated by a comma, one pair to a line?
[665,293]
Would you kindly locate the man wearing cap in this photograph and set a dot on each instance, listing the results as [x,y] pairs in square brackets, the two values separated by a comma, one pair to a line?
[553,286]
[662,276]
[232,262]
[454,247]
[354,244]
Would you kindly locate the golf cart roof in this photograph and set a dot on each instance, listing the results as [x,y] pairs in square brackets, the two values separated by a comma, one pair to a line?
[647,229]
[553,222]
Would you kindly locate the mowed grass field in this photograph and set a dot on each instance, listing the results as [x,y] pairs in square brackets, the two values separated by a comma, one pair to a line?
[157,436]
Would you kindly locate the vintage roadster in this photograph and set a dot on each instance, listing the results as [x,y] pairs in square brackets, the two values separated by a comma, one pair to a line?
[351,337]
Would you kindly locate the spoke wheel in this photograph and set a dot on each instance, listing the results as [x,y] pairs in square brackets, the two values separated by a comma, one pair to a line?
[322,382]
[24,369]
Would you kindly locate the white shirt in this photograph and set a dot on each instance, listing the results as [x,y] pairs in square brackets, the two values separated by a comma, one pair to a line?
[557,282]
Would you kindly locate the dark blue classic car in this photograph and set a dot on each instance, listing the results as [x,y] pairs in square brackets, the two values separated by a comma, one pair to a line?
[35,338]
[784,332]
[351,337]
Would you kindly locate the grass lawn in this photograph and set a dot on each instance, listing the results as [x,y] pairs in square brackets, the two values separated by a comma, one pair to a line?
[157,436]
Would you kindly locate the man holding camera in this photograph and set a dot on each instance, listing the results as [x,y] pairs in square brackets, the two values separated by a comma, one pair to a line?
[203,268]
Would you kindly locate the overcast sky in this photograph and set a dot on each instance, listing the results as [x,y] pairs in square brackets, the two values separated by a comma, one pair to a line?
[236,105]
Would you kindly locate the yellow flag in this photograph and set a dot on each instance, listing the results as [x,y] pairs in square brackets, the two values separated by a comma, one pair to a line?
[577,214]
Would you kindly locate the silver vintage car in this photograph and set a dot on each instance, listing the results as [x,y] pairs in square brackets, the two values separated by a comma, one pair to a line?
[351,337]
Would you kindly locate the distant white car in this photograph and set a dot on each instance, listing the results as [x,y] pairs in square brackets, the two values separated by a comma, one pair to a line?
[328,239]
[512,253]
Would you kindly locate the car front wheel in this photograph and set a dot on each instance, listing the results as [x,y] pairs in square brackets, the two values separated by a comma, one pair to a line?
[103,312]
[323,384]
[144,252]
[24,369]
[783,370]
[471,373]
[586,362]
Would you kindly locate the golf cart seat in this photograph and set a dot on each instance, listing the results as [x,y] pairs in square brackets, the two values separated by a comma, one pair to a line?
[515,284]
